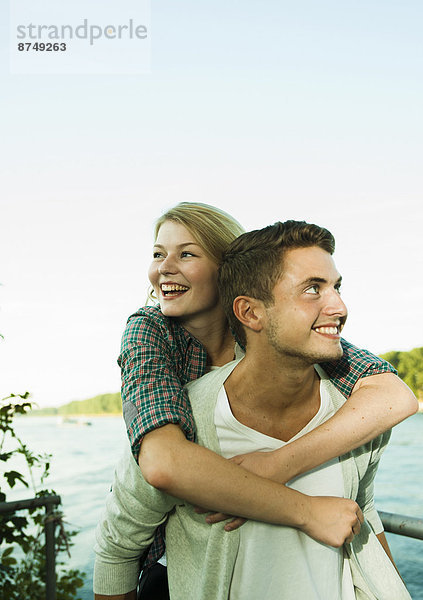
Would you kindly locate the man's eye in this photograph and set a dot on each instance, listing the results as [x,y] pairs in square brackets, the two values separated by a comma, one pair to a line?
[313,289]
[338,288]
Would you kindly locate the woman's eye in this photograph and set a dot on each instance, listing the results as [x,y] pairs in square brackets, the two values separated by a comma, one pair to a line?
[186,253]
[157,254]
[313,289]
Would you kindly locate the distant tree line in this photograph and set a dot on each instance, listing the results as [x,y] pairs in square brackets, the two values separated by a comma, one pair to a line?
[408,364]
[104,403]
[410,368]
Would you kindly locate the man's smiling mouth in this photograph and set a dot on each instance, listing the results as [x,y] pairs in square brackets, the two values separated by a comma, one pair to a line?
[329,329]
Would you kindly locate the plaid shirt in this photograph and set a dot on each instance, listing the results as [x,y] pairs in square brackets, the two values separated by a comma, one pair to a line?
[158,357]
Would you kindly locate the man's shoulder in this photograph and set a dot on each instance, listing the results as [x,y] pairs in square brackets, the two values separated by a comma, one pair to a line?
[338,400]
[203,395]
[210,382]
[335,395]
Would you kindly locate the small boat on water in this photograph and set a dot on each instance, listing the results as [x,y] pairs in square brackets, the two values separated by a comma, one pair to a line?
[74,421]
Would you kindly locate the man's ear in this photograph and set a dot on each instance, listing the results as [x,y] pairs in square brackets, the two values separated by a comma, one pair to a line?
[249,311]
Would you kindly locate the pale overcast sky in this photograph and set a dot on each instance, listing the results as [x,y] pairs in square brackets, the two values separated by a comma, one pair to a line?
[270,111]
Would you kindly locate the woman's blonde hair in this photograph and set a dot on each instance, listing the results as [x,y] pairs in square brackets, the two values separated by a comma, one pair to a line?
[212,228]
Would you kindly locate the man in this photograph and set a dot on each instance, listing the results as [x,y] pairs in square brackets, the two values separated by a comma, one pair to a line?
[280,289]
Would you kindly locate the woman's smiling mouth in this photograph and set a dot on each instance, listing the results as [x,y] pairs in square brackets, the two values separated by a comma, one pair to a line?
[170,290]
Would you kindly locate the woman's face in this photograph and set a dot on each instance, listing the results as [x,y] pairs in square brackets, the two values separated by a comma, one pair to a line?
[184,278]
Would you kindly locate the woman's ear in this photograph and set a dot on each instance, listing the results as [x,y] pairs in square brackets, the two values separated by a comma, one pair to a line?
[249,311]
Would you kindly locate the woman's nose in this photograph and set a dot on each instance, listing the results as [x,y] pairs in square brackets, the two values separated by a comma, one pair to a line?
[168,265]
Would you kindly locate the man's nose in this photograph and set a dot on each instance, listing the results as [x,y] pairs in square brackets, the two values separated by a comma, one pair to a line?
[335,305]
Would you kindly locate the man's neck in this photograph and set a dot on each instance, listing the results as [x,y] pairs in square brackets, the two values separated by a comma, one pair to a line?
[273,394]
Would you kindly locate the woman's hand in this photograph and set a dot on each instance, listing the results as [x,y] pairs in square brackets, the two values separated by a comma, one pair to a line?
[267,465]
[235,523]
[333,521]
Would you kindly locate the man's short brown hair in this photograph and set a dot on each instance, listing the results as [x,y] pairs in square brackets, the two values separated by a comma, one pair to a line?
[253,263]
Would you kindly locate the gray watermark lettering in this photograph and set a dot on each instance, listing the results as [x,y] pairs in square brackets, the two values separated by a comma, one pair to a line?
[84,31]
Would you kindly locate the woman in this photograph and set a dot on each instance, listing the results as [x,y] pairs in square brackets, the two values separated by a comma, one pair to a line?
[165,347]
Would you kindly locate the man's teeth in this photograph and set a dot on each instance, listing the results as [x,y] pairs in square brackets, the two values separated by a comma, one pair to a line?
[327,330]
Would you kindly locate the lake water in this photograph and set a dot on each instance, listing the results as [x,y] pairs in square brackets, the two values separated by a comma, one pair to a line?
[84,458]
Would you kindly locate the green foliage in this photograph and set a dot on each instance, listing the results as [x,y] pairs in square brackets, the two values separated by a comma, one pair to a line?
[105,403]
[98,405]
[410,368]
[22,561]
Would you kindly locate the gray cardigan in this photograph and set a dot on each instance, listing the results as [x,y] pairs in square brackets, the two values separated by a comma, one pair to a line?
[201,557]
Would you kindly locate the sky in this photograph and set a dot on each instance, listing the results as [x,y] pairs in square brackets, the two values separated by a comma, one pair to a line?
[269,111]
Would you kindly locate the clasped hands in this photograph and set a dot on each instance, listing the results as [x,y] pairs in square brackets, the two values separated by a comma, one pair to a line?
[332,520]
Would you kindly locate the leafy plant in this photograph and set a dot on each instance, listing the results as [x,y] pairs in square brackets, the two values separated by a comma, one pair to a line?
[22,558]
[410,367]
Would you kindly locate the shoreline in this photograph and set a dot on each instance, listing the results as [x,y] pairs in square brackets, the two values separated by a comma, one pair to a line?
[69,415]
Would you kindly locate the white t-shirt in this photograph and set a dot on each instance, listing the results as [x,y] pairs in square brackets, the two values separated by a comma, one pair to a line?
[277,562]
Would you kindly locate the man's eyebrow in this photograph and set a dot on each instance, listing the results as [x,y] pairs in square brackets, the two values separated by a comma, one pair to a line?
[312,280]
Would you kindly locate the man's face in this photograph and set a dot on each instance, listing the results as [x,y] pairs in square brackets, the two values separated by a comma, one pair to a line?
[308,314]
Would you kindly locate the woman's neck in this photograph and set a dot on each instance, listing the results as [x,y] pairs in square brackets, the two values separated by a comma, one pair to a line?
[215,335]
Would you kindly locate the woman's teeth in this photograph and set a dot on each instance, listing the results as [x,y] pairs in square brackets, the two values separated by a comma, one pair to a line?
[172,288]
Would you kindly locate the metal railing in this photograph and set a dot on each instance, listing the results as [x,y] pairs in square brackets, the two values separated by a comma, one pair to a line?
[49,525]
[392,522]
[402,525]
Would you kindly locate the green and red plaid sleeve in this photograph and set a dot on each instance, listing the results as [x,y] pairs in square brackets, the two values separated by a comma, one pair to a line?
[158,357]
[354,364]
